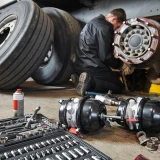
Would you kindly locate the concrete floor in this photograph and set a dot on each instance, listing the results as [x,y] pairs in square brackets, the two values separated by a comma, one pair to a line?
[116,142]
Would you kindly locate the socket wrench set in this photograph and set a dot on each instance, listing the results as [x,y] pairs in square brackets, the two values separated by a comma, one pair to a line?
[36,137]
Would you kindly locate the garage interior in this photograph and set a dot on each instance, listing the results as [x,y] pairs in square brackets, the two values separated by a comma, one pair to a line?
[116,141]
[23,68]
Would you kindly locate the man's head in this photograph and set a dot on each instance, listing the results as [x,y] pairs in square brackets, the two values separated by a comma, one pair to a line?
[116,17]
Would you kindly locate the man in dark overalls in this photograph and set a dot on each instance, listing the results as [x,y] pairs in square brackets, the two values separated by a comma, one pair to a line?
[94,57]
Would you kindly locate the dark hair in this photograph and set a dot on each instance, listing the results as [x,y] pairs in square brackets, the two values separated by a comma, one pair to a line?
[119,13]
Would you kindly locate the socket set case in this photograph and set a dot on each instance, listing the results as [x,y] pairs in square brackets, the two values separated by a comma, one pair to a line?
[43,140]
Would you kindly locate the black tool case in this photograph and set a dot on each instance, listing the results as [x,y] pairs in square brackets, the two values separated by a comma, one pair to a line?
[43,140]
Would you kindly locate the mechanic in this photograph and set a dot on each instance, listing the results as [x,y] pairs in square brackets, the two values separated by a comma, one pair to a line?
[94,57]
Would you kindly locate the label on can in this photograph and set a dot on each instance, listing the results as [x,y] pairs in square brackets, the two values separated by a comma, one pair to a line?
[18,107]
[15,105]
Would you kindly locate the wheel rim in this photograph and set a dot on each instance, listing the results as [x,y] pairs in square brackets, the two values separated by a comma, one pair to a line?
[137,40]
[6,30]
[48,56]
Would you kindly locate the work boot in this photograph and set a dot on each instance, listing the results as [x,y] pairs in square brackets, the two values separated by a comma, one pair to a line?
[84,83]
[75,79]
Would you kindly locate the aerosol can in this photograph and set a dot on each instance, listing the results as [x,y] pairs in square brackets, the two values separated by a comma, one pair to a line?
[18,103]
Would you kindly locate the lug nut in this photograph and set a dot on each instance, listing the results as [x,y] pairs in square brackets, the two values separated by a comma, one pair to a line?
[151,146]
[142,137]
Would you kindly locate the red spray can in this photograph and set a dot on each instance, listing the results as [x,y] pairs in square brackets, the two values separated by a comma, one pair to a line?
[18,103]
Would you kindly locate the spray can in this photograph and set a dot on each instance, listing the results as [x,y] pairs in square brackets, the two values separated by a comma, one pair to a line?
[18,103]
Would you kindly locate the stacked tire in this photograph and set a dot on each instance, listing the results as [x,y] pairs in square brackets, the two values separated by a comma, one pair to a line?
[58,66]
[26,34]
[38,43]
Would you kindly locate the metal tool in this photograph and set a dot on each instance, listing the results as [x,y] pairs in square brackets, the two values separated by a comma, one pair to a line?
[108,98]
[32,117]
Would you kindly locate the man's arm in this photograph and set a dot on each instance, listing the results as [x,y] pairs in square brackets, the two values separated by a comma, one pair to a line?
[105,48]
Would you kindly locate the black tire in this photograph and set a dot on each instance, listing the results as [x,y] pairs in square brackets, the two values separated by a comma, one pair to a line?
[24,49]
[59,67]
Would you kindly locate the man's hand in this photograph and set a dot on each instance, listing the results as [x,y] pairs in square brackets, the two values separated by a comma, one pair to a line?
[126,69]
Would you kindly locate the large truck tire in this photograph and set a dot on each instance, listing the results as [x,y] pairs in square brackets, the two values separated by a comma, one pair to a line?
[58,66]
[26,34]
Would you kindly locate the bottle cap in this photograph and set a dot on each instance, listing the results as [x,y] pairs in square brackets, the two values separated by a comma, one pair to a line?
[19,90]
